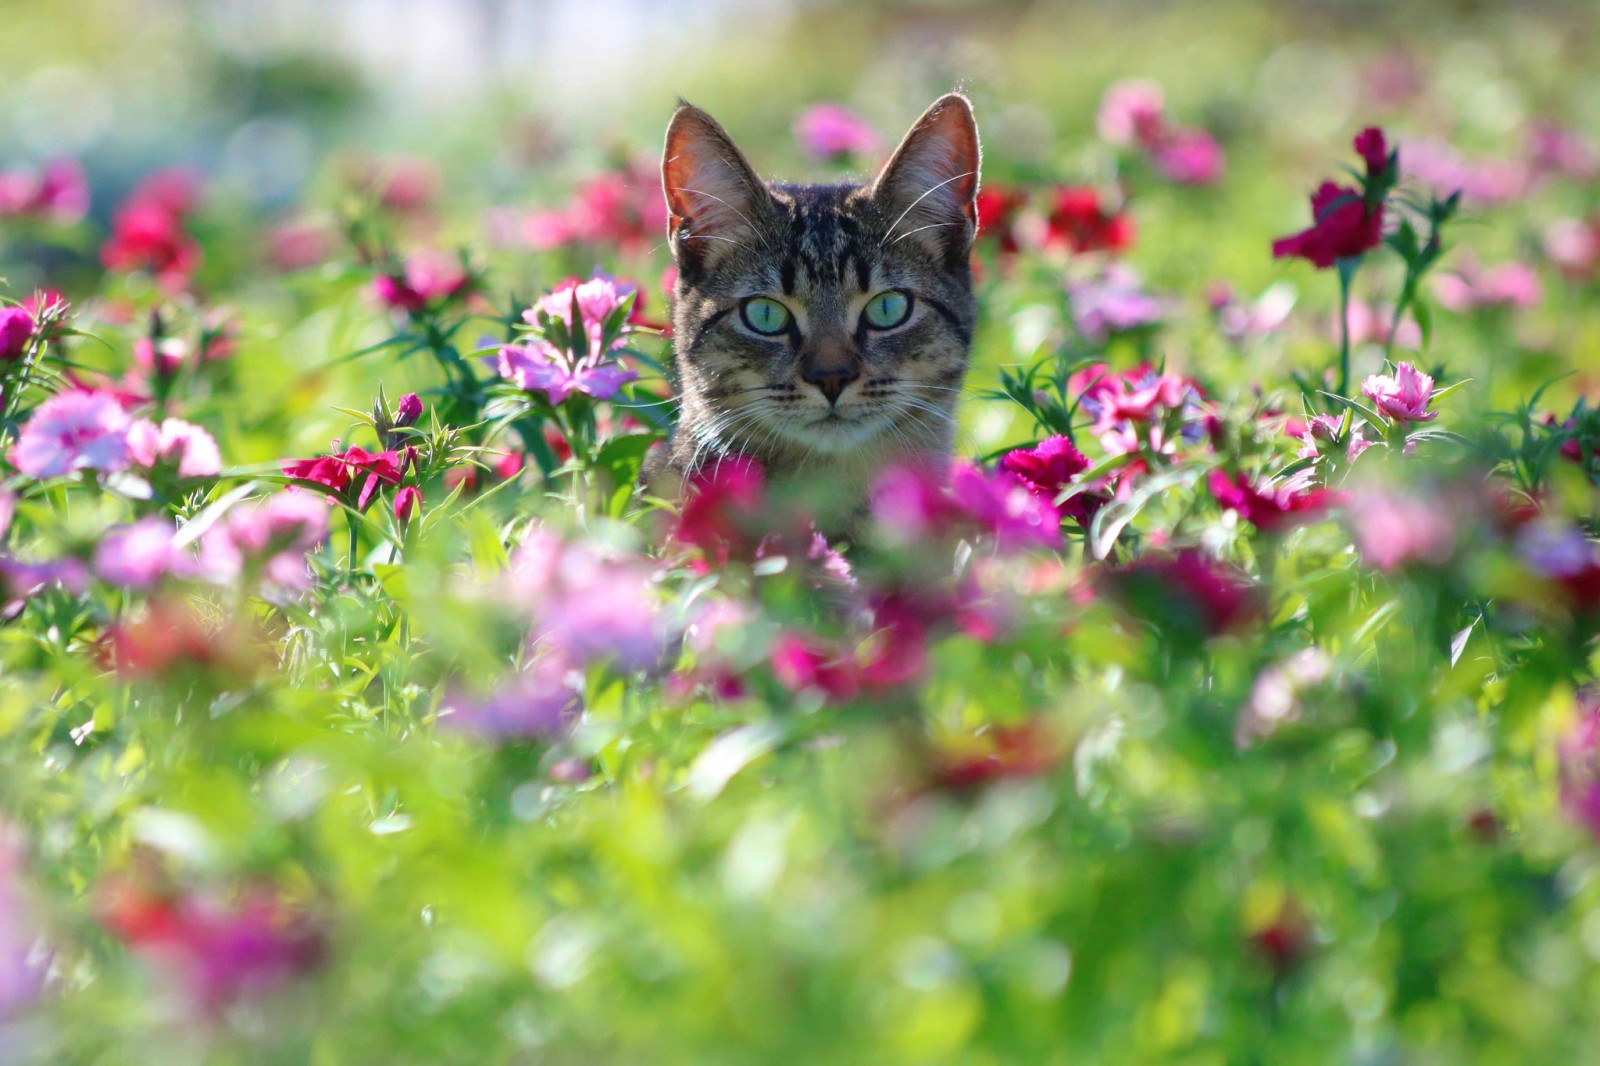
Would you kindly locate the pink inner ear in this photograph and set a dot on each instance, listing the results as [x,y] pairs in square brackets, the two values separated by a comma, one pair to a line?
[707,180]
[934,174]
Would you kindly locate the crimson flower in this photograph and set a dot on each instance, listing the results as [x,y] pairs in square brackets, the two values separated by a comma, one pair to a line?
[1081,222]
[1344,227]
[1187,594]
[722,509]
[998,207]
[335,471]
[1049,467]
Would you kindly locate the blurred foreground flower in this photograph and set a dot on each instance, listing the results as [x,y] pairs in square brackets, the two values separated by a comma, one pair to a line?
[21,969]
[74,430]
[1188,594]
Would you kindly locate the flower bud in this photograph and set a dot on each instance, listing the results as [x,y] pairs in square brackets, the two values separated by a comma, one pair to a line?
[407,503]
[408,410]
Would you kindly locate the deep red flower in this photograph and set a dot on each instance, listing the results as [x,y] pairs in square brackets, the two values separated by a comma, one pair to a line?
[145,235]
[1049,467]
[1269,509]
[1344,227]
[335,471]
[1373,149]
[1187,594]
[1080,222]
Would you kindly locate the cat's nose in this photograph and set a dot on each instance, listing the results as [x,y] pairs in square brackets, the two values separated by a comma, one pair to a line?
[831,380]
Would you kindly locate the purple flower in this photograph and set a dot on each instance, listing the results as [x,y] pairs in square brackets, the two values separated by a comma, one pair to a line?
[137,556]
[597,299]
[540,367]
[1112,303]
[590,604]
[540,702]
[832,133]
[21,974]
[73,430]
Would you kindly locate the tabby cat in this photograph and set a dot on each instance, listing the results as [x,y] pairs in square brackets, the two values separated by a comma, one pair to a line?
[821,330]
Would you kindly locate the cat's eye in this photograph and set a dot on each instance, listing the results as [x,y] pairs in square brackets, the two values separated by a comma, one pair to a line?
[888,309]
[765,315]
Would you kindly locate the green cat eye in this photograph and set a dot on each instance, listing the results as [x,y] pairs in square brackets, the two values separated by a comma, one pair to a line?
[765,315]
[888,309]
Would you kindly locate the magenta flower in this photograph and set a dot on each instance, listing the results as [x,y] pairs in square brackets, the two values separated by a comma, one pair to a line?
[1403,397]
[73,430]
[911,505]
[805,664]
[723,508]
[408,410]
[1132,113]
[1273,508]
[334,472]
[1190,157]
[1373,148]
[1003,506]
[138,556]
[424,278]
[1047,469]
[408,503]
[183,446]
[16,330]
[1188,594]
[831,133]
[1139,395]
[58,193]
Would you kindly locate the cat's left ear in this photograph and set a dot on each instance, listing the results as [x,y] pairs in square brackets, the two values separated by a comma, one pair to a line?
[929,187]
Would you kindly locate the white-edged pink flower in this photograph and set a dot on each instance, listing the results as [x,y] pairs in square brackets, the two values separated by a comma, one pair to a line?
[1403,397]
[139,555]
[183,445]
[73,430]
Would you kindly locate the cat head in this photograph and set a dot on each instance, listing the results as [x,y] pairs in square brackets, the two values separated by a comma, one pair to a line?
[822,320]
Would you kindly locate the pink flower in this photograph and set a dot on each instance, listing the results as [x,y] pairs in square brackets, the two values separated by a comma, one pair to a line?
[73,430]
[597,299]
[1392,529]
[424,278]
[831,132]
[591,605]
[1343,227]
[1370,325]
[1556,149]
[408,503]
[298,245]
[1275,697]
[1269,509]
[1190,157]
[1573,245]
[1404,397]
[147,231]
[176,443]
[58,193]
[1580,765]
[16,330]
[137,556]
[805,664]
[271,539]
[1470,286]
[723,508]
[1138,395]
[1132,113]
[1443,170]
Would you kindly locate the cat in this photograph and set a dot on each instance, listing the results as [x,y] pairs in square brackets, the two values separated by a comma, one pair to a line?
[820,330]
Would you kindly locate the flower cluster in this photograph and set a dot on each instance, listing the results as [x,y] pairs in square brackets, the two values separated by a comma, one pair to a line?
[1133,114]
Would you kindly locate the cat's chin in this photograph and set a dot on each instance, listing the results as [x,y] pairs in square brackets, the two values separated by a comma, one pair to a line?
[835,436]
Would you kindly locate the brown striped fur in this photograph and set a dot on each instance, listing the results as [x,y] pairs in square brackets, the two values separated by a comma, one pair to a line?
[830,402]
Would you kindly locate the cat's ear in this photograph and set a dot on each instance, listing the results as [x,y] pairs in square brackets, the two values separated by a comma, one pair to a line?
[714,198]
[929,188]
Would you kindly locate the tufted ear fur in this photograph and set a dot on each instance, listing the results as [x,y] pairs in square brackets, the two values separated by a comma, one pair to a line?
[929,188]
[714,198]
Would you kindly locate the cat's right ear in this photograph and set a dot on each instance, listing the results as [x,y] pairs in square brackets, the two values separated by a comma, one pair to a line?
[714,198]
